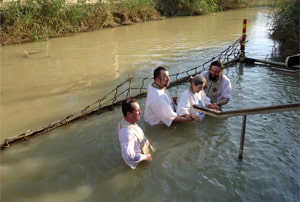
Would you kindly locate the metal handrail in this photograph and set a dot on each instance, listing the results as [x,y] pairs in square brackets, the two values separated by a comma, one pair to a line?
[249,111]
[244,113]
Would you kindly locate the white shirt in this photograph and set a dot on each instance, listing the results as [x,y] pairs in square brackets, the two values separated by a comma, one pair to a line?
[130,145]
[158,108]
[187,99]
[218,90]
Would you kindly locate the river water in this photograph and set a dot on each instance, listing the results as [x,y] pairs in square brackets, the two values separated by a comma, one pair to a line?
[192,162]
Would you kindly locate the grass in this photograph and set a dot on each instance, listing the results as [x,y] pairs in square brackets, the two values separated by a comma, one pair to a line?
[32,20]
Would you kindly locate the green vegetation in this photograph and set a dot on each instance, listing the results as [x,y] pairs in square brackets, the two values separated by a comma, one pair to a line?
[285,27]
[33,20]
[200,7]
[186,7]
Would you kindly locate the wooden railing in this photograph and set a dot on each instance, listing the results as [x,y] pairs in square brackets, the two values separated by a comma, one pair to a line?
[244,113]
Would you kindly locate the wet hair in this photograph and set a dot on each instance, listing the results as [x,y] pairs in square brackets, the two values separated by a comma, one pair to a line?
[217,63]
[157,71]
[197,79]
[127,106]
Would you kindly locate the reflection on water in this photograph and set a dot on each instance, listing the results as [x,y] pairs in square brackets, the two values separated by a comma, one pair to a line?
[192,162]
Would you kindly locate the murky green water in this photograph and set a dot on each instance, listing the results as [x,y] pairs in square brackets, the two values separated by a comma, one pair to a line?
[193,161]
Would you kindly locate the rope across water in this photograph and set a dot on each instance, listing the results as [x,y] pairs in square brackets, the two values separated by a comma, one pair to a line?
[130,88]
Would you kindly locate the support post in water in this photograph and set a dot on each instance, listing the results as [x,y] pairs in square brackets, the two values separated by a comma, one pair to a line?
[129,86]
[243,40]
[242,137]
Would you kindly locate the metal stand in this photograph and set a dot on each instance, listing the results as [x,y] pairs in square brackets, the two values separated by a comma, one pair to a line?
[242,137]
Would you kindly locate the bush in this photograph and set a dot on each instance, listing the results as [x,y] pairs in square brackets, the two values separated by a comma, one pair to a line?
[186,7]
[285,28]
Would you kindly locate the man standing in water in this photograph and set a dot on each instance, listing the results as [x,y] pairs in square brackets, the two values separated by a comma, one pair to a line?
[134,144]
[218,86]
[160,108]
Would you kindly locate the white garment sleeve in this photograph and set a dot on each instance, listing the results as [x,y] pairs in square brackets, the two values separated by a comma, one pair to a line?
[164,110]
[206,100]
[158,107]
[183,103]
[226,88]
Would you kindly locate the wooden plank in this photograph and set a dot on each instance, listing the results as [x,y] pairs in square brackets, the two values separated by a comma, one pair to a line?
[249,111]
[291,61]
[271,62]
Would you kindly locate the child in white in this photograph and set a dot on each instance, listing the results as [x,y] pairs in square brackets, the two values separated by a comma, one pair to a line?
[194,95]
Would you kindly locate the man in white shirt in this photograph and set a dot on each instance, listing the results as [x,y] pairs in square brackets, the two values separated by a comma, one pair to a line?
[135,146]
[218,86]
[159,107]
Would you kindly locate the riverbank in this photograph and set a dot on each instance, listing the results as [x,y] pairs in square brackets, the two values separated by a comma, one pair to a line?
[33,21]
[28,21]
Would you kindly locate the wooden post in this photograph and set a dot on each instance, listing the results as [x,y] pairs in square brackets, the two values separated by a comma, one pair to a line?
[129,86]
[243,41]
[242,137]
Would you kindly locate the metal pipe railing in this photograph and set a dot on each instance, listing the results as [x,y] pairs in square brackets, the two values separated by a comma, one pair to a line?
[244,113]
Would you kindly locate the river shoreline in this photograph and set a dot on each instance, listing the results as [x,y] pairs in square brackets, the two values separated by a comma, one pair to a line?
[29,22]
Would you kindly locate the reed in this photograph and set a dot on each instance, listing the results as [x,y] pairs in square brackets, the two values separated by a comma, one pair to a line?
[32,20]
[200,7]
[186,7]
